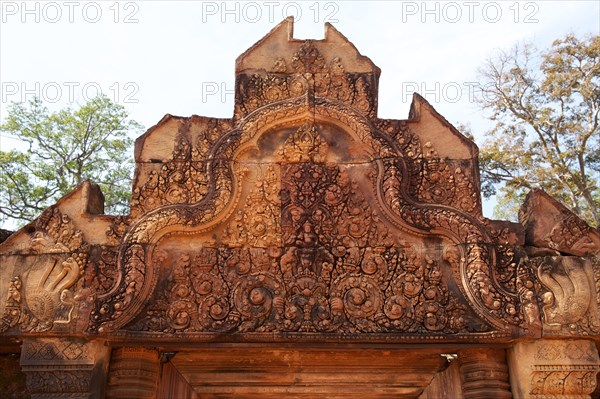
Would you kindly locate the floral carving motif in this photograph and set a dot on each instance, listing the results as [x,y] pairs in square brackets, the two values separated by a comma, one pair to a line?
[476,258]
[353,205]
[446,183]
[333,267]
[308,58]
[12,308]
[304,145]
[55,350]
[242,293]
[57,382]
[180,180]
[60,368]
[258,223]
[312,73]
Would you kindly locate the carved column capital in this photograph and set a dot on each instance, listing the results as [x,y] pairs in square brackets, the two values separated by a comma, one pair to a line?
[547,369]
[64,368]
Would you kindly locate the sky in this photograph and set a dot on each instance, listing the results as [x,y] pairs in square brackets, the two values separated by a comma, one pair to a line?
[177,57]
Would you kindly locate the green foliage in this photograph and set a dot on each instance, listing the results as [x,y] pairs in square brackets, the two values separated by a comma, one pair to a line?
[546,107]
[63,149]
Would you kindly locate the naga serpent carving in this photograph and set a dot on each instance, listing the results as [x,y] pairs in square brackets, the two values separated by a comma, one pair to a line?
[570,282]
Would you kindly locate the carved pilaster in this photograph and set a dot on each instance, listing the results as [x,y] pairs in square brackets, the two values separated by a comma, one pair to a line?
[64,368]
[484,373]
[133,373]
[547,369]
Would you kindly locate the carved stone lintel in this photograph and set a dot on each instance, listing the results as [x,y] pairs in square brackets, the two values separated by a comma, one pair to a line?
[484,373]
[133,373]
[547,369]
[64,368]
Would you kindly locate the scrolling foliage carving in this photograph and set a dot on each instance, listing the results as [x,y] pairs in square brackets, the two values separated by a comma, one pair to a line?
[320,260]
[307,214]
[306,73]
[310,249]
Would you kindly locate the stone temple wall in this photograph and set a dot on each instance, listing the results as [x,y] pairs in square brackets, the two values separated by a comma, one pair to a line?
[304,247]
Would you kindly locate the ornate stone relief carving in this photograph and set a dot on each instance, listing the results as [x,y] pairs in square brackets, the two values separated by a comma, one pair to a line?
[569,285]
[569,295]
[63,368]
[311,74]
[281,244]
[303,213]
[12,309]
[306,188]
[45,296]
[184,177]
[554,369]
[549,224]
[307,218]
[332,266]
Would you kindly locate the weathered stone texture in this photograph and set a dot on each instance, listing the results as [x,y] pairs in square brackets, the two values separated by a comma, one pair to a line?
[64,368]
[305,223]
[554,368]
[134,373]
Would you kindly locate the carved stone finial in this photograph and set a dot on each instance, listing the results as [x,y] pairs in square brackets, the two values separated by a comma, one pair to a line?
[308,59]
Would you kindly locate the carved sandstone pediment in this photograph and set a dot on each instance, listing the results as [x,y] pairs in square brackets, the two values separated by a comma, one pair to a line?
[304,217]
